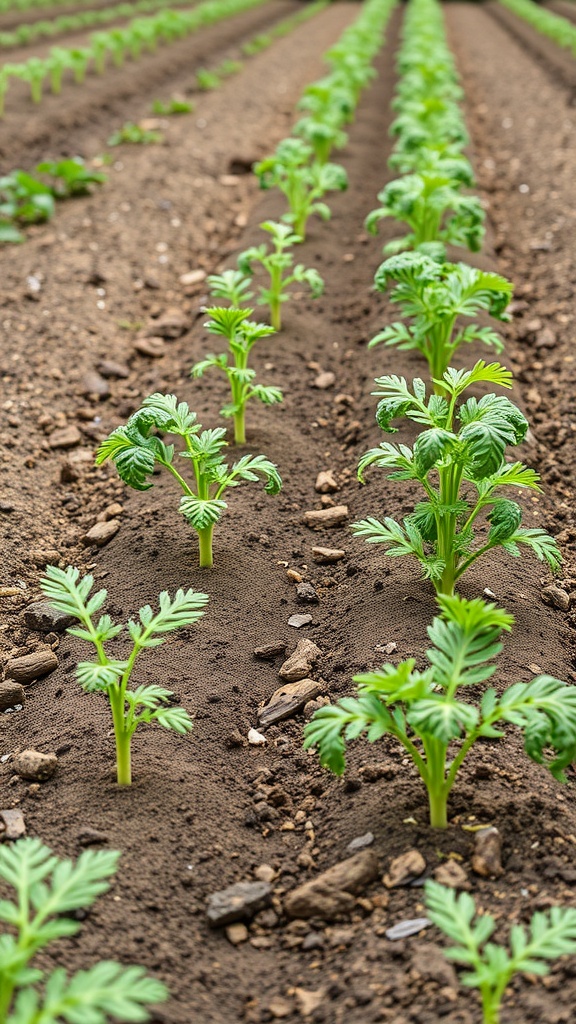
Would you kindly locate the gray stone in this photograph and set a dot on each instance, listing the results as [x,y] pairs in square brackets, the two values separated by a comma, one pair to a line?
[486,859]
[12,825]
[41,616]
[404,929]
[271,650]
[94,384]
[299,620]
[325,482]
[67,437]
[361,842]
[112,370]
[557,597]
[323,518]
[239,902]
[326,556]
[101,533]
[305,592]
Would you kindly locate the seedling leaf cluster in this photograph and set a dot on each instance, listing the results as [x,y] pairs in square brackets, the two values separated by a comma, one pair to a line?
[46,890]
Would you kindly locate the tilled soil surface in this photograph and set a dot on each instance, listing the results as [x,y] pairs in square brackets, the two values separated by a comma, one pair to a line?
[203,813]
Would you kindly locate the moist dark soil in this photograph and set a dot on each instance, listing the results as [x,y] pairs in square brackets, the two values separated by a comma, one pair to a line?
[201,813]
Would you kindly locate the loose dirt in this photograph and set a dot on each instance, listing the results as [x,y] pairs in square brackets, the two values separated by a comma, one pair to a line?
[197,817]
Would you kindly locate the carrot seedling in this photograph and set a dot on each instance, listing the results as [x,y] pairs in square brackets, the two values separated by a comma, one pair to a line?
[433,297]
[47,891]
[279,264]
[130,708]
[461,470]
[136,451]
[303,180]
[241,334]
[491,968]
[426,713]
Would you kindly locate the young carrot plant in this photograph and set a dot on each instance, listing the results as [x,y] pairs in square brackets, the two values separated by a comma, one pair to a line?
[302,180]
[432,205]
[433,296]
[490,967]
[130,708]
[135,134]
[241,334]
[47,889]
[173,106]
[279,264]
[425,711]
[462,471]
[136,451]
[73,177]
[231,285]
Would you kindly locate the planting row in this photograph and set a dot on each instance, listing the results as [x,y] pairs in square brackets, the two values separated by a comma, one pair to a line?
[27,198]
[560,30]
[141,34]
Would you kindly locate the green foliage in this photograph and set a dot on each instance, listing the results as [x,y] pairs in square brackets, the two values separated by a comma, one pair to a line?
[231,285]
[430,138]
[426,712]
[434,208]
[47,889]
[136,452]
[241,334]
[173,106]
[559,29]
[135,134]
[137,35]
[23,200]
[303,181]
[130,708]
[434,296]
[490,967]
[73,178]
[278,263]
[461,470]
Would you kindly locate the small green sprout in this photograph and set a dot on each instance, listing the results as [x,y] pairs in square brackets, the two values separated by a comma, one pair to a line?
[136,452]
[135,134]
[491,968]
[277,263]
[434,296]
[73,177]
[303,180]
[241,334]
[130,708]
[47,889]
[461,470]
[426,714]
[173,106]
[232,285]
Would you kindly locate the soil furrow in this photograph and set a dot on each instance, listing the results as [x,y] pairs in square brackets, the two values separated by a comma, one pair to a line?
[81,118]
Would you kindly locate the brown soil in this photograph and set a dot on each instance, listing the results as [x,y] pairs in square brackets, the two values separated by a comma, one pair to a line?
[193,821]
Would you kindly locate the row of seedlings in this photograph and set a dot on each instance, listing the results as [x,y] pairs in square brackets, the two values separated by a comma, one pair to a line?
[47,887]
[459,459]
[28,198]
[140,34]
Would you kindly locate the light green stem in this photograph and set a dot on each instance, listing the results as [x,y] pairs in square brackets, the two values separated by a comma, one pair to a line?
[436,782]
[205,542]
[122,737]
[240,426]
